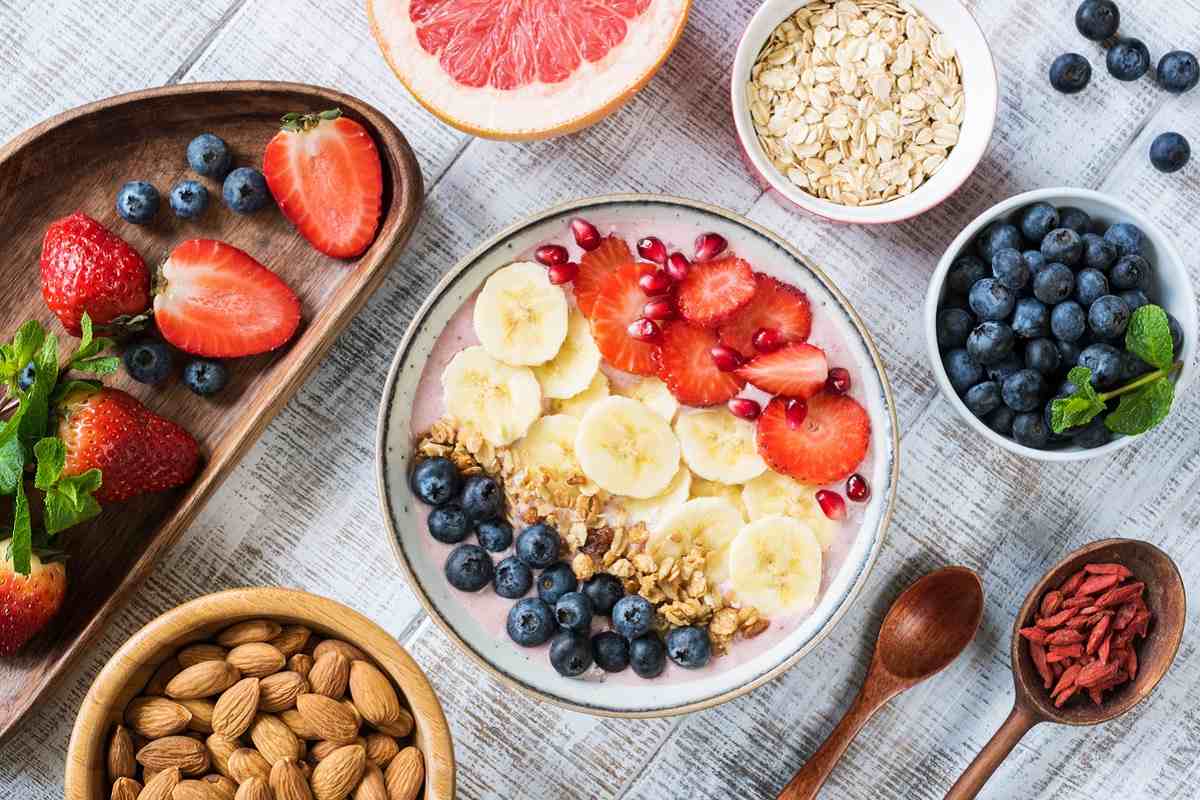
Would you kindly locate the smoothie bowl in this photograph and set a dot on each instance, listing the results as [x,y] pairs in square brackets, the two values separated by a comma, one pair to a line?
[636,456]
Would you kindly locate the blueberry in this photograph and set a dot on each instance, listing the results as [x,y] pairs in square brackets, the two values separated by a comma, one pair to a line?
[1074,219]
[610,651]
[1063,246]
[555,581]
[1090,286]
[998,372]
[647,655]
[990,342]
[1034,260]
[482,498]
[632,616]
[1104,361]
[1031,318]
[1127,238]
[570,653]
[494,535]
[27,376]
[208,155]
[1134,298]
[1097,19]
[1133,367]
[1054,284]
[245,190]
[1070,73]
[1094,434]
[435,481]
[983,398]
[1068,322]
[962,370]
[1030,430]
[991,300]
[1010,268]
[1178,72]
[1043,356]
[999,236]
[1037,220]
[1099,253]
[1023,390]
[1176,334]
[148,361]
[448,524]
[538,546]
[1001,420]
[953,327]
[1108,317]
[205,377]
[513,579]
[1068,353]
[138,202]
[469,568]
[689,647]
[604,591]
[1131,272]
[964,274]
[189,199]
[1170,152]
[531,622]
[1128,59]
[574,611]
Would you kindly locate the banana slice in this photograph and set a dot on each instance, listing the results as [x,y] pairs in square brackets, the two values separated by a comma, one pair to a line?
[549,448]
[772,493]
[572,368]
[625,448]
[655,394]
[709,522]
[520,316]
[578,405]
[775,564]
[498,400]
[704,488]
[653,510]
[719,446]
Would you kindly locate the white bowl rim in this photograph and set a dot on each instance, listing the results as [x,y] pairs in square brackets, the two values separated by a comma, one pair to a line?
[768,16]
[1168,258]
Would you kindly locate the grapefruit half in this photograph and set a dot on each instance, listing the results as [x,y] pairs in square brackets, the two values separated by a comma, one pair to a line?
[525,69]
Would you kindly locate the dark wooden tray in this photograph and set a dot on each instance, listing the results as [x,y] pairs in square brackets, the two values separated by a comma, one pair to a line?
[76,162]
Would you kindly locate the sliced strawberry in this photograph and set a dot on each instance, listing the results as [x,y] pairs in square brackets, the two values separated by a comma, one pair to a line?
[215,300]
[618,302]
[687,367]
[775,306]
[611,256]
[796,370]
[828,446]
[325,174]
[714,291]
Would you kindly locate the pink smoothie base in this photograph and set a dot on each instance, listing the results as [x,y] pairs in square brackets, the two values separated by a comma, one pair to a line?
[491,610]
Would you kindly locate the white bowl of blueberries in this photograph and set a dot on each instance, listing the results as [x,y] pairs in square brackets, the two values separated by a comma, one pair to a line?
[1046,283]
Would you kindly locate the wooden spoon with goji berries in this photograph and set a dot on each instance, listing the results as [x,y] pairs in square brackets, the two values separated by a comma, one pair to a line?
[1093,639]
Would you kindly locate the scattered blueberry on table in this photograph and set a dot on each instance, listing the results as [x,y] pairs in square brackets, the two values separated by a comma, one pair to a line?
[1178,72]
[245,190]
[189,199]
[1170,152]
[1070,73]
[1098,19]
[1128,59]
[138,202]
[148,361]
[208,155]
[205,377]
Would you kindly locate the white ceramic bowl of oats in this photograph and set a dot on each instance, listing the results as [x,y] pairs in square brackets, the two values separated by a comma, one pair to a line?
[863,111]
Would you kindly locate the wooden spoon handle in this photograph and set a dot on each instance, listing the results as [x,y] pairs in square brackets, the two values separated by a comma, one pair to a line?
[995,751]
[808,781]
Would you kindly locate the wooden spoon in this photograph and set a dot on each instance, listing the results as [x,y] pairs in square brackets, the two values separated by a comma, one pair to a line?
[1167,601]
[930,623]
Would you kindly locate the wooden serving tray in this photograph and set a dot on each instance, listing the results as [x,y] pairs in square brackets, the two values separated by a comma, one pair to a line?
[76,162]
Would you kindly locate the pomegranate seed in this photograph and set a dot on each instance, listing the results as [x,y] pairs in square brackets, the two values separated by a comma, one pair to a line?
[857,488]
[838,381]
[767,340]
[655,283]
[643,330]
[709,245]
[652,249]
[832,504]
[658,308]
[563,273]
[551,254]
[586,235]
[745,408]
[678,266]
[795,413]
[726,358]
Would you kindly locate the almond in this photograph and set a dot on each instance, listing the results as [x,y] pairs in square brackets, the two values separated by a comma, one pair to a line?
[224,788]
[321,750]
[334,721]
[156,717]
[205,679]
[194,654]
[330,674]
[255,789]
[246,763]
[399,728]
[373,694]
[252,630]
[288,781]
[256,659]
[298,725]
[278,692]
[236,708]
[125,789]
[291,640]
[348,650]
[405,775]
[193,790]
[274,740]
[158,681]
[220,748]
[372,786]
[337,774]
[121,763]
[381,749]
[189,755]
[159,787]
[202,714]
[301,664]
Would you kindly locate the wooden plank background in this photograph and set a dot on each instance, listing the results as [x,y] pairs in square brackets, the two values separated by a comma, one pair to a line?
[301,510]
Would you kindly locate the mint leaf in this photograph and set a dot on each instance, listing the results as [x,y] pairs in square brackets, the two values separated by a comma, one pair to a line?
[1140,411]
[1078,408]
[51,456]
[100,365]
[68,500]
[35,405]
[1149,336]
[12,465]
[22,536]
[84,358]
[19,352]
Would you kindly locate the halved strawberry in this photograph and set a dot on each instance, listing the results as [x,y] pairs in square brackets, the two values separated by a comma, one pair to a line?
[827,447]
[214,300]
[324,172]
[617,303]
[795,370]
[776,306]
[686,365]
[611,256]
[714,291]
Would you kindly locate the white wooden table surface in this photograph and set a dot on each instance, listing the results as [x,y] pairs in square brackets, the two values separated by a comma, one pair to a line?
[301,510]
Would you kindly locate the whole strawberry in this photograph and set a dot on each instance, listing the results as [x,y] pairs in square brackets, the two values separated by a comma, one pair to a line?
[28,602]
[136,450]
[87,268]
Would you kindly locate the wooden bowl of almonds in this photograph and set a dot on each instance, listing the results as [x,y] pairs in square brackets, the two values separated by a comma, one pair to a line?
[261,694]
